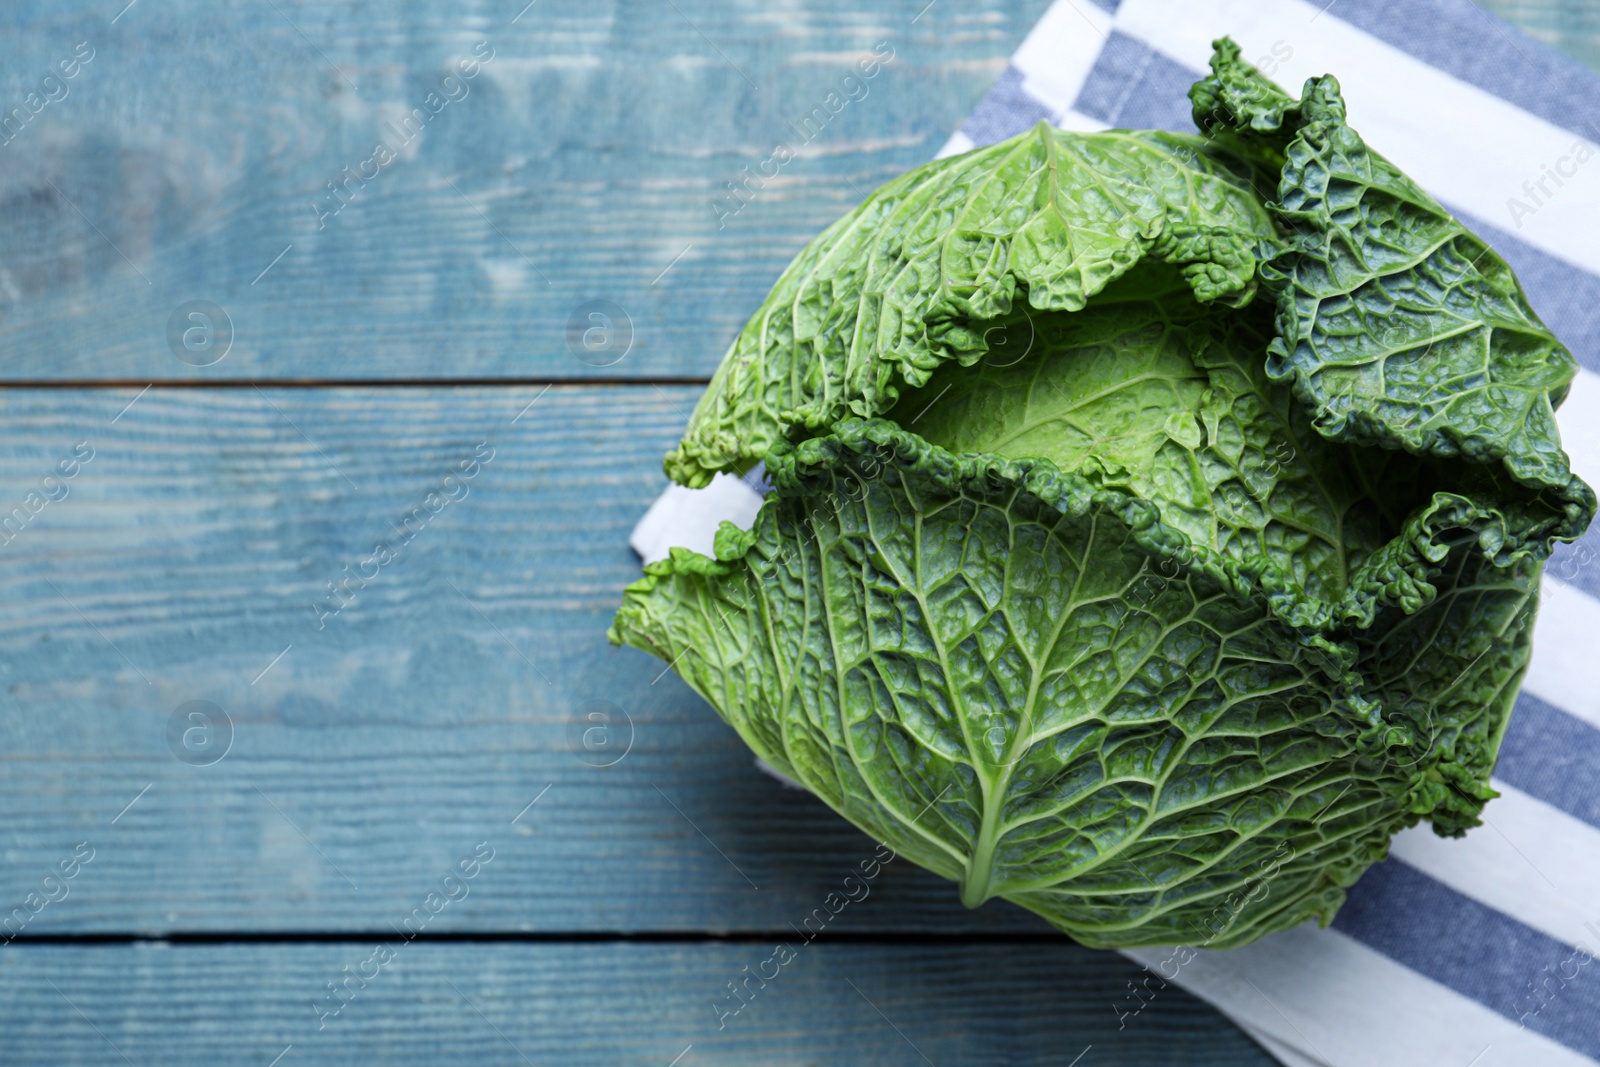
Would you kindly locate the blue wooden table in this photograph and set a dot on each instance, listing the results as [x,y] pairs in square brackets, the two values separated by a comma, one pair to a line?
[287,281]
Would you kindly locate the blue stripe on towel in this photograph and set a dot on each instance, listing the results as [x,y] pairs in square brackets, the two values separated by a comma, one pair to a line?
[1550,755]
[1467,43]
[1480,953]
[1134,87]
[1578,564]
[1005,111]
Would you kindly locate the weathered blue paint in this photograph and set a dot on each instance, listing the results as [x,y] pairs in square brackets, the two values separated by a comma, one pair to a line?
[599,1004]
[177,547]
[577,164]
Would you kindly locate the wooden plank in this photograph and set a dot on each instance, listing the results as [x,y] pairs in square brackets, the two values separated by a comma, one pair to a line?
[1572,28]
[577,165]
[188,561]
[606,1003]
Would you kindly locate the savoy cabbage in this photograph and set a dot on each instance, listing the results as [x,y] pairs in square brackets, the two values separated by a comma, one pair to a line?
[1149,511]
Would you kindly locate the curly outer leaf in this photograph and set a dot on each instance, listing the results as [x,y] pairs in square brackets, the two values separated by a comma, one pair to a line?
[1397,326]
[898,287]
[1446,677]
[950,651]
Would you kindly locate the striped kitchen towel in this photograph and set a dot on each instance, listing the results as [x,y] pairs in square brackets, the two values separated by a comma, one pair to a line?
[1453,953]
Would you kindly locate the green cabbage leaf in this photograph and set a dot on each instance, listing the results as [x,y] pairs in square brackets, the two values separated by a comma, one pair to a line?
[904,282]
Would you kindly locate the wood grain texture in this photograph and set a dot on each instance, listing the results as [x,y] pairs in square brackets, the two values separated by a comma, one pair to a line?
[377,752]
[599,1004]
[1570,26]
[576,166]
[193,549]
